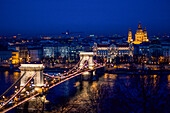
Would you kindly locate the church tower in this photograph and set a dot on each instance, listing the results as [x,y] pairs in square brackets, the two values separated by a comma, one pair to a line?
[139,35]
[130,36]
[145,35]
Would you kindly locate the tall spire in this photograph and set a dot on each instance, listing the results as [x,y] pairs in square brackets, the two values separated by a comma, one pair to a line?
[139,27]
[129,36]
[145,28]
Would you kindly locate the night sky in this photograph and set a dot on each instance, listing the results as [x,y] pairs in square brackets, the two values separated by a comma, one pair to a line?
[90,16]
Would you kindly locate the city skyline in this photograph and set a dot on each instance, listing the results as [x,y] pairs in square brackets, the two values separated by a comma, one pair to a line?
[96,56]
[96,16]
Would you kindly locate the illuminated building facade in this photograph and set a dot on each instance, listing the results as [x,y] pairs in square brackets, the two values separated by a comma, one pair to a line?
[15,57]
[63,51]
[130,36]
[35,54]
[166,52]
[69,52]
[140,36]
[24,54]
[48,51]
[110,50]
[154,52]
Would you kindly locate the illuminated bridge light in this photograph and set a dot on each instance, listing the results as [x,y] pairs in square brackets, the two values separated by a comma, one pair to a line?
[77,71]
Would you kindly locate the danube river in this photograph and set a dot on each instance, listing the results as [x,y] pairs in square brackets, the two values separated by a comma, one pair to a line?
[105,93]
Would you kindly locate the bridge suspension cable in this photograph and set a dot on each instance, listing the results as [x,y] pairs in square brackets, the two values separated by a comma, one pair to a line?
[6,110]
[78,72]
[13,85]
[69,76]
[81,67]
[78,69]
[70,69]
[18,91]
[63,73]
[48,75]
[73,67]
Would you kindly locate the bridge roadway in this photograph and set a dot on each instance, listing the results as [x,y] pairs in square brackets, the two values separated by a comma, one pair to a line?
[51,82]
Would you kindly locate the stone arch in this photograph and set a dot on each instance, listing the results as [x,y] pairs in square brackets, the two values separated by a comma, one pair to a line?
[87,56]
[30,70]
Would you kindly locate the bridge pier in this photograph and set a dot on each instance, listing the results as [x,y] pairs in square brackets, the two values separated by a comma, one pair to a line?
[86,56]
[94,74]
[30,70]
[36,104]
[88,75]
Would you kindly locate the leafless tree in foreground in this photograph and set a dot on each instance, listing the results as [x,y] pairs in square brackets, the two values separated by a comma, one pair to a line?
[133,94]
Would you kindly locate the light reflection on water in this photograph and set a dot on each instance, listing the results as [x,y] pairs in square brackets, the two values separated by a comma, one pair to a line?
[10,77]
[168,81]
[79,89]
[6,80]
[74,90]
[127,83]
[6,76]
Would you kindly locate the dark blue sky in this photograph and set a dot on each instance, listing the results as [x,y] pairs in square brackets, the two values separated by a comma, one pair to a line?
[98,16]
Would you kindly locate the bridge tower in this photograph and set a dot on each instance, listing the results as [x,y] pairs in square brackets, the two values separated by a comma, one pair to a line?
[86,56]
[30,70]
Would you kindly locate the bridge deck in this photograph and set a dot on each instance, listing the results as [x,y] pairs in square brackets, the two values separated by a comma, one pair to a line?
[52,82]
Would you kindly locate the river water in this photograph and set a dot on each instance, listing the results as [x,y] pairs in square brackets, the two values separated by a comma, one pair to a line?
[109,93]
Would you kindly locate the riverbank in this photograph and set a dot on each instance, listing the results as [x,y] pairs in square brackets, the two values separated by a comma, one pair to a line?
[137,71]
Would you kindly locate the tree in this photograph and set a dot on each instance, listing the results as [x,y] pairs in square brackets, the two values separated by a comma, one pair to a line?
[136,93]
